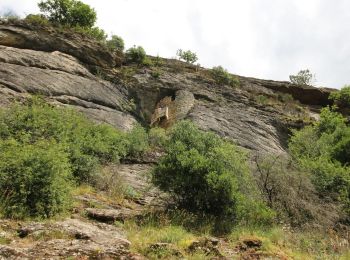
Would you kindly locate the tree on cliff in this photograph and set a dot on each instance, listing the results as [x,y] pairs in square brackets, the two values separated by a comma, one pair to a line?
[69,12]
[304,77]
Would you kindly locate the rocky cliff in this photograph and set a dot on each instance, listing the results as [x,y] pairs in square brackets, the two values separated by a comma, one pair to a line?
[72,70]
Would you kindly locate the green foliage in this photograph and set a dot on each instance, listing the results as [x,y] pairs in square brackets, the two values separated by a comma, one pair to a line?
[304,77]
[288,189]
[221,76]
[157,137]
[158,62]
[156,74]
[324,149]
[206,174]
[93,32]
[34,178]
[87,144]
[137,141]
[46,149]
[342,97]
[37,19]
[147,62]
[262,99]
[116,43]
[136,54]
[285,98]
[69,12]
[188,56]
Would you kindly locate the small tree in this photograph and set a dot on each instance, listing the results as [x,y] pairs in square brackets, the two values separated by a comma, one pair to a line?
[341,97]
[206,174]
[136,54]
[35,179]
[221,76]
[116,43]
[188,56]
[69,12]
[304,77]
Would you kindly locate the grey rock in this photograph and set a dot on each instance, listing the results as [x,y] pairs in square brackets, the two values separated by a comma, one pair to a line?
[44,60]
[22,35]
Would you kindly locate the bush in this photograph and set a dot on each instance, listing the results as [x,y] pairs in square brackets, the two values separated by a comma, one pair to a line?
[137,141]
[37,19]
[342,97]
[136,54]
[87,144]
[116,43]
[34,178]
[69,12]
[324,150]
[221,76]
[207,175]
[304,77]
[157,137]
[285,98]
[93,32]
[188,56]
[288,189]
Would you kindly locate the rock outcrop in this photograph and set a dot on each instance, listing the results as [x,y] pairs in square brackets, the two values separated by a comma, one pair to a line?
[58,65]
[22,35]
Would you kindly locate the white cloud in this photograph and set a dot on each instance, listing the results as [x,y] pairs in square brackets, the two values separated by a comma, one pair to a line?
[266,39]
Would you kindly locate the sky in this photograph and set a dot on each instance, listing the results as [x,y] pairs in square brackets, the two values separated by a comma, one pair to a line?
[268,39]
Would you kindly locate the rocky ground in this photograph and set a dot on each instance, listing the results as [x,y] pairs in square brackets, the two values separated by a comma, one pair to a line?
[91,230]
[72,70]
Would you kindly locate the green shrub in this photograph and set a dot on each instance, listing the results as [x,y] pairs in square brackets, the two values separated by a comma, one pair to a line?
[207,175]
[221,76]
[324,150]
[304,77]
[37,19]
[87,144]
[69,12]
[93,32]
[262,99]
[285,98]
[34,178]
[147,62]
[342,97]
[136,54]
[188,56]
[137,141]
[156,74]
[158,62]
[157,137]
[116,43]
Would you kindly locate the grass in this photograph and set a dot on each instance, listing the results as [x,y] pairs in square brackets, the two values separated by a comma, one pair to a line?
[142,236]
[296,244]
[4,240]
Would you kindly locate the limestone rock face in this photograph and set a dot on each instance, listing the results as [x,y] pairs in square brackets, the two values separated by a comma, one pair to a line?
[25,36]
[65,81]
[58,65]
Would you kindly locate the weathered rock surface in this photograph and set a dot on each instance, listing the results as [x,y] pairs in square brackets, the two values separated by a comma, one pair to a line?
[22,35]
[43,60]
[83,239]
[111,215]
[65,81]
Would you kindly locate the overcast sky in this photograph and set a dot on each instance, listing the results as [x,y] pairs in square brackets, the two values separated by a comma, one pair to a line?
[268,39]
